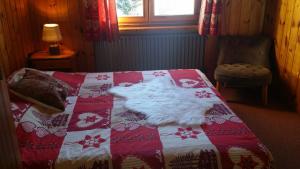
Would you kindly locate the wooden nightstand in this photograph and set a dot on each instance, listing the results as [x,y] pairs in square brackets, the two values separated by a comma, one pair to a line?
[66,61]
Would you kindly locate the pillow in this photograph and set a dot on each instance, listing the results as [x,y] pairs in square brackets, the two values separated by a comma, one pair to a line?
[39,88]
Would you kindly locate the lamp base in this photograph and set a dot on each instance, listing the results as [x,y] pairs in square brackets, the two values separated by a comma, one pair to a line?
[54,49]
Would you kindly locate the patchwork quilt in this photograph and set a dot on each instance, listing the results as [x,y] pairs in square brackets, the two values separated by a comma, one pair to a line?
[96,131]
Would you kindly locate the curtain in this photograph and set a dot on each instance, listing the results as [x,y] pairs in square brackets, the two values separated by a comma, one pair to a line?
[101,21]
[209,17]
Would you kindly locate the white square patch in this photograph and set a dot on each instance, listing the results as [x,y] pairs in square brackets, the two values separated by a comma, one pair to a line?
[118,107]
[85,148]
[71,102]
[150,75]
[207,95]
[182,143]
[96,84]
[43,124]
[106,77]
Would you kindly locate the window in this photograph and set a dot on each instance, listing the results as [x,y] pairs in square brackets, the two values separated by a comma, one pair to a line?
[130,8]
[147,12]
[178,7]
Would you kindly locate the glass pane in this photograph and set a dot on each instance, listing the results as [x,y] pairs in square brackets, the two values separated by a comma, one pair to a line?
[127,8]
[174,7]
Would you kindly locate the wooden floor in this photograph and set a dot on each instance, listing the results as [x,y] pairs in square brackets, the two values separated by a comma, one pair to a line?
[276,125]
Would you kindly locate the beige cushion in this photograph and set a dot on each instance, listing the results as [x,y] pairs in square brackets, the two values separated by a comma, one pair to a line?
[243,74]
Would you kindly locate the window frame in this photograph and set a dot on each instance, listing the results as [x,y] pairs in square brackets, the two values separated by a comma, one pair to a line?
[150,19]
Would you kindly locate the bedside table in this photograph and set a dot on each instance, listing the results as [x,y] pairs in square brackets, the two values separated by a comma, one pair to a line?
[41,60]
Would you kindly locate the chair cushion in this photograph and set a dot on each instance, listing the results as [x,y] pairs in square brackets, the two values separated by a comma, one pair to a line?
[243,74]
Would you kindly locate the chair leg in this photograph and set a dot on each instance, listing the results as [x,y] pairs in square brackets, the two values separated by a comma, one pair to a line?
[218,86]
[265,94]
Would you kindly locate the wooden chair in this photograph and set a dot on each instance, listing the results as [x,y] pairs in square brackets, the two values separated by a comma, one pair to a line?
[244,62]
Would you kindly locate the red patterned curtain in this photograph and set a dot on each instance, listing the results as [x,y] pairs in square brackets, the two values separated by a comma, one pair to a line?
[209,17]
[101,21]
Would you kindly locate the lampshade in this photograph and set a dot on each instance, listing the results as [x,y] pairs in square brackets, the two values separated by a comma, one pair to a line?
[51,33]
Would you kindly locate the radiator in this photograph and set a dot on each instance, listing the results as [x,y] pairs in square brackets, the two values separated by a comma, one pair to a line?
[151,50]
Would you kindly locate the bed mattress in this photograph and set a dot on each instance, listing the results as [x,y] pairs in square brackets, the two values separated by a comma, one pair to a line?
[97,132]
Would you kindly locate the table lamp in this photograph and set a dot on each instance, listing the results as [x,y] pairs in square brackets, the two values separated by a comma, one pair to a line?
[52,35]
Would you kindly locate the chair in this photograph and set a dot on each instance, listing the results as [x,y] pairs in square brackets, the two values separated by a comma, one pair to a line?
[244,62]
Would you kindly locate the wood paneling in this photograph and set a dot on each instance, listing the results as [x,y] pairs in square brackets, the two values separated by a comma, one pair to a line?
[15,43]
[68,14]
[21,23]
[283,23]
[15,34]
[242,17]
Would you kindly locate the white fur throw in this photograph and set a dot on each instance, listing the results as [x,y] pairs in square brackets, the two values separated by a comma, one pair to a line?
[163,102]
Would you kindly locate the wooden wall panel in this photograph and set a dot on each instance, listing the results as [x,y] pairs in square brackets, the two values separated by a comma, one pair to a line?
[15,34]
[68,14]
[242,17]
[283,23]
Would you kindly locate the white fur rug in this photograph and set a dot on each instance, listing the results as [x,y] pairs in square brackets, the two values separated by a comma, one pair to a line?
[162,102]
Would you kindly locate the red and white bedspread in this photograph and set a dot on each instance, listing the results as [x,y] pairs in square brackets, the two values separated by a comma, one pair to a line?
[97,132]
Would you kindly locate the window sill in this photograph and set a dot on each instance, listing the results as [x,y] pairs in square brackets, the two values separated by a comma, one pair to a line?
[134,28]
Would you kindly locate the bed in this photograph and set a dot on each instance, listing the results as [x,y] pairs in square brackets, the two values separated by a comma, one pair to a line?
[96,132]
